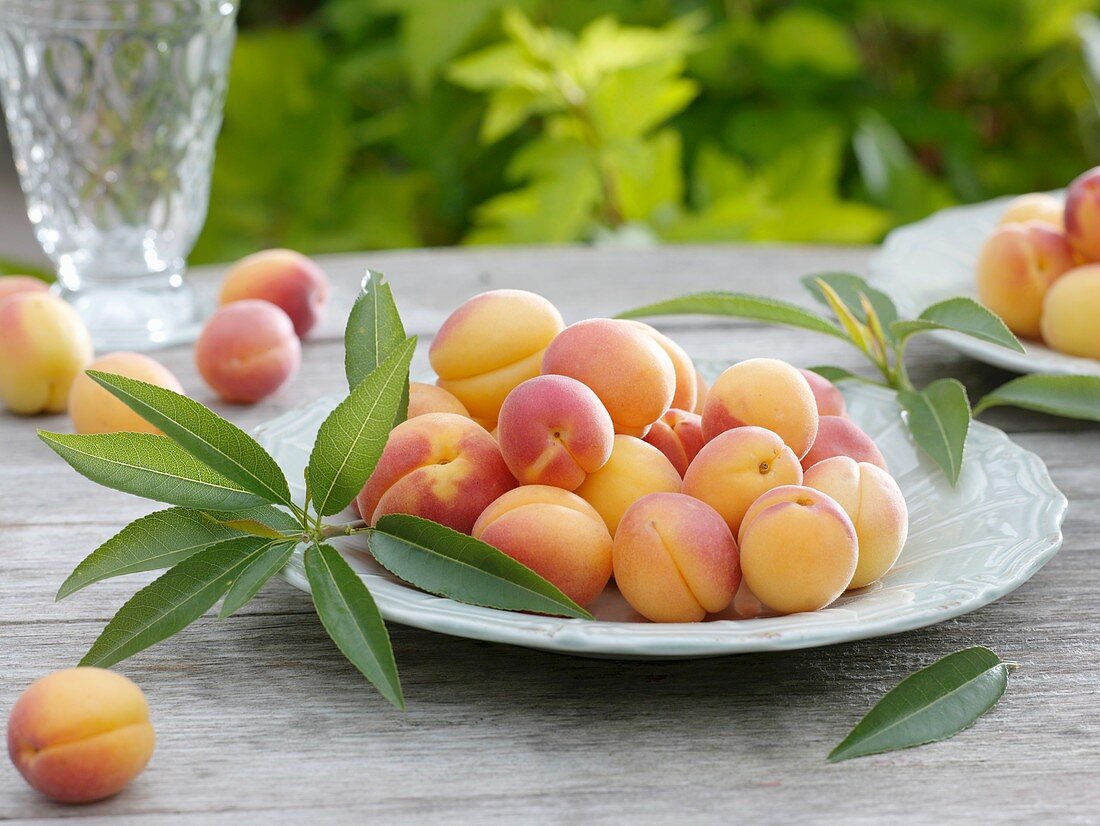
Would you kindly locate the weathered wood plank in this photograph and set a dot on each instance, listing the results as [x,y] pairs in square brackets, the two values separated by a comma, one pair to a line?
[260,719]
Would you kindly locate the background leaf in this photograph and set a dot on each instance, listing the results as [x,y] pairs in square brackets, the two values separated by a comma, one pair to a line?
[963,315]
[374,330]
[939,418]
[202,433]
[1076,397]
[351,618]
[174,600]
[933,704]
[254,575]
[443,561]
[150,466]
[351,439]
[739,305]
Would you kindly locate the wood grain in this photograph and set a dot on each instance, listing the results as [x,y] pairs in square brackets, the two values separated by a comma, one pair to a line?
[259,719]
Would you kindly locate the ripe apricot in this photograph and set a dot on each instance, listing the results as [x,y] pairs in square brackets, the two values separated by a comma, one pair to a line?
[94,410]
[829,399]
[634,470]
[14,284]
[427,398]
[1071,313]
[289,280]
[840,436]
[247,350]
[686,391]
[1035,206]
[1082,214]
[679,435]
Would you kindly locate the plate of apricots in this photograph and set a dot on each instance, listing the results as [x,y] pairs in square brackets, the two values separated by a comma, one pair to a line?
[1034,260]
[694,510]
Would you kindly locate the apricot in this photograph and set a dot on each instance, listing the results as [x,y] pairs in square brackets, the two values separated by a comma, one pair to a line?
[702,388]
[1035,206]
[736,467]
[427,398]
[840,436]
[876,506]
[289,280]
[625,366]
[491,344]
[1082,214]
[1016,266]
[1071,311]
[634,470]
[829,399]
[679,435]
[81,734]
[675,559]
[553,430]
[44,346]
[440,466]
[247,350]
[686,391]
[766,393]
[14,284]
[798,549]
[94,410]
[553,532]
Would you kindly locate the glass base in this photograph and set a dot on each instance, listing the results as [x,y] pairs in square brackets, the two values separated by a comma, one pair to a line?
[130,315]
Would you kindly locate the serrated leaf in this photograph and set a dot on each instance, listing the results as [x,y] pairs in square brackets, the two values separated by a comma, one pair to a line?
[849,287]
[939,418]
[963,315]
[443,561]
[150,466]
[254,575]
[933,704]
[374,330]
[351,439]
[739,305]
[202,433]
[158,540]
[1075,397]
[174,600]
[351,618]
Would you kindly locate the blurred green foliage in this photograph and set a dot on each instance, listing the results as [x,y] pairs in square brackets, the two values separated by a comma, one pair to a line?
[358,124]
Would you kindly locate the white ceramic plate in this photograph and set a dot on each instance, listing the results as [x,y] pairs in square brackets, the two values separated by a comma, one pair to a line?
[967,546]
[934,259]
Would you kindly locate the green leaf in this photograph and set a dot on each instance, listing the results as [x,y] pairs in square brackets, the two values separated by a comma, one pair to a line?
[963,315]
[351,618]
[158,540]
[252,578]
[939,418]
[739,305]
[1076,397]
[174,600]
[848,288]
[351,439]
[202,433]
[933,704]
[857,330]
[150,466]
[374,329]
[268,516]
[836,374]
[443,561]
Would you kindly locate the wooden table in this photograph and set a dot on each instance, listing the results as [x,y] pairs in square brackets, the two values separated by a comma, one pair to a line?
[260,719]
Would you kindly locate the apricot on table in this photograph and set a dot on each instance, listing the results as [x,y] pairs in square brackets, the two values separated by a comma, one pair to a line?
[736,467]
[798,549]
[44,346]
[81,734]
[1034,206]
[491,344]
[1071,313]
[634,470]
[427,398]
[829,399]
[767,393]
[95,410]
[675,559]
[247,350]
[440,466]
[1082,214]
[840,436]
[876,506]
[1016,266]
[553,430]
[686,392]
[702,388]
[289,280]
[626,367]
[679,435]
[14,284]
[553,532]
